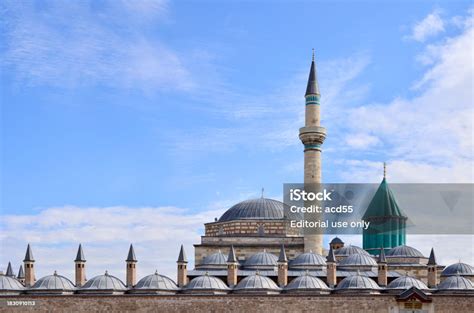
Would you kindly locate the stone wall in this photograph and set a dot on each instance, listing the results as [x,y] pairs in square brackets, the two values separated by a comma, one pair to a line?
[231,303]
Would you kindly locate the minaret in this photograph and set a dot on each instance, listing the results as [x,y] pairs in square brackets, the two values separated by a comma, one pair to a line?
[432,270]
[131,267]
[182,268]
[29,262]
[282,268]
[232,267]
[382,268]
[80,267]
[331,277]
[312,136]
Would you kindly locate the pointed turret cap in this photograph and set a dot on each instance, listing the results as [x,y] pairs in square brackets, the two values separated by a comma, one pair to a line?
[131,255]
[232,258]
[9,270]
[313,87]
[282,258]
[382,258]
[21,274]
[182,256]
[29,255]
[383,204]
[331,257]
[432,259]
[80,255]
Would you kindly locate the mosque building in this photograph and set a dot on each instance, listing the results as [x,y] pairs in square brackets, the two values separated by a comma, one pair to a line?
[252,250]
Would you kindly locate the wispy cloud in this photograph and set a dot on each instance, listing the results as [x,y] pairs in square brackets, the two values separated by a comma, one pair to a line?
[430,26]
[428,137]
[72,44]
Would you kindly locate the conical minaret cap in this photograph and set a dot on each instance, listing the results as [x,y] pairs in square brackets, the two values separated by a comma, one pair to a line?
[9,270]
[29,255]
[313,87]
[182,256]
[282,257]
[131,255]
[331,257]
[382,258]
[232,258]
[80,255]
[21,273]
[432,259]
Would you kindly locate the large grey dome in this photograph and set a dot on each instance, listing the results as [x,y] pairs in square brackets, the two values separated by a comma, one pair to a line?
[256,283]
[206,284]
[306,282]
[155,283]
[406,282]
[357,260]
[53,283]
[349,250]
[456,283]
[404,252]
[106,283]
[307,260]
[255,209]
[9,285]
[357,282]
[462,269]
[261,260]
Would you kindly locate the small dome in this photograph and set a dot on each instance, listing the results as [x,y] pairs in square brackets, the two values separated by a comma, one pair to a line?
[456,283]
[206,283]
[156,282]
[106,283]
[307,260]
[255,209]
[406,282]
[357,260]
[336,240]
[349,250]
[462,269]
[306,282]
[404,252]
[10,284]
[256,283]
[357,282]
[53,283]
[217,259]
[261,260]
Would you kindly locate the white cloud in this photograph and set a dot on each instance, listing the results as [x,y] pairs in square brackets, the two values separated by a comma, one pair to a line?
[71,44]
[428,137]
[54,233]
[430,26]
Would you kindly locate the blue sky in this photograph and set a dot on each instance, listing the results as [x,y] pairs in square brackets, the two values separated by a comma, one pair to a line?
[152,105]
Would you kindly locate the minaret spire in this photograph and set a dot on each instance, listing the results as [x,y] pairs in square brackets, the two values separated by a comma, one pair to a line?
[313,87]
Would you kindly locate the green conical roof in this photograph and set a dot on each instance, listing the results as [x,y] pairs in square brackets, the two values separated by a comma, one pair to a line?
[383,204]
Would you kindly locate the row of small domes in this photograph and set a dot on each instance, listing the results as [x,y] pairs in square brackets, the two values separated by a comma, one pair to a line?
[355,257]
[255,282]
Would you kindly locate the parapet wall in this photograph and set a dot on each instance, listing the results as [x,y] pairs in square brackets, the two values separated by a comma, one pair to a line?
[231,303]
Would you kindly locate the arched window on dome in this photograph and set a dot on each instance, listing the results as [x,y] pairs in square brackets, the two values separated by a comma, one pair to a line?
[261,230]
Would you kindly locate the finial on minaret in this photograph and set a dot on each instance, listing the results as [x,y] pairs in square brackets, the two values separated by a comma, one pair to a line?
[263,190]
[384,170]
[313,55]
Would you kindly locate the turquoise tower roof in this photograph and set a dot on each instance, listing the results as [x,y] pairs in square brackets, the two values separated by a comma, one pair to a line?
[387,221]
